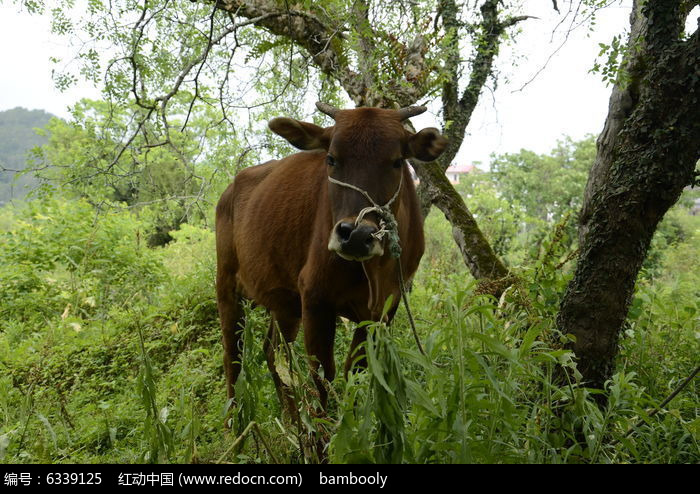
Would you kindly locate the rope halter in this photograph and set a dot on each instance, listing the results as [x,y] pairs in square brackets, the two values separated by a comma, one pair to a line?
[387,221]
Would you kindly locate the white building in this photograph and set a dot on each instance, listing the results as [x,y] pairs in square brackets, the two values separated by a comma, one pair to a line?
[453,173]
[456,171]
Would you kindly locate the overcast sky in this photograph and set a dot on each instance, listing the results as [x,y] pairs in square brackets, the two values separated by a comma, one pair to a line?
[564,99]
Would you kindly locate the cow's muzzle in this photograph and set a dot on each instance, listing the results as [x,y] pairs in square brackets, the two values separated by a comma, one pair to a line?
[355,242]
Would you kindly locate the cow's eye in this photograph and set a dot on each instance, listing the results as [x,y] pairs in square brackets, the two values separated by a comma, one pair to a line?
[330,160]
[398,163]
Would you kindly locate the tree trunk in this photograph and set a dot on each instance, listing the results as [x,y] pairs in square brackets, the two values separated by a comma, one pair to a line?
[647,154]
[435,189]
[482,261]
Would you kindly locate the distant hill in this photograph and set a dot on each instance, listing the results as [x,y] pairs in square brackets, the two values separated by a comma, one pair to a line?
[17,137]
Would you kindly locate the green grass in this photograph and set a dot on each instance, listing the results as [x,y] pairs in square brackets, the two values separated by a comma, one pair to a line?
[110,352]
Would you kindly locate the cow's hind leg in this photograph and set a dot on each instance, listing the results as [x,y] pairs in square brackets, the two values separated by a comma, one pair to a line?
[232,315]
[286,328]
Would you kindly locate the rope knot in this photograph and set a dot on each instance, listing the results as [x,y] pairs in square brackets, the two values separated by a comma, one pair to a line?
[388,226]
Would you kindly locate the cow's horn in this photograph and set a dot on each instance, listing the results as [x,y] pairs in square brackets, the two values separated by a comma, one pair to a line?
[327,109]
[411,111]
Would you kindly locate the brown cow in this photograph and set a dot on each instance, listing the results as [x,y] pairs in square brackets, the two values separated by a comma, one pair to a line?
[287,235]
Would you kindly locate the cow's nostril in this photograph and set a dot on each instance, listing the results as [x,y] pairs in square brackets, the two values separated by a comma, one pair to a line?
[345,230]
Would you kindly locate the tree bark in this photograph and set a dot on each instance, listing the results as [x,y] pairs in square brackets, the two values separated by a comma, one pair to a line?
[476,251]
[435,189]
[647,154]
[457,109]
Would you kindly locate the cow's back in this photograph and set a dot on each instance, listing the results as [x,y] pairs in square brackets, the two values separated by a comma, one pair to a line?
[268,216]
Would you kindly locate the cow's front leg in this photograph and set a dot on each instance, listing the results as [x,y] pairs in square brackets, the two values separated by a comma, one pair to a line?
[319,334]
[357,356]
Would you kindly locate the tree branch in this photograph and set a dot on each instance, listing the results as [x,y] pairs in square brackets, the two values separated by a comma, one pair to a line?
[458,112]
[365,59]
[319,39]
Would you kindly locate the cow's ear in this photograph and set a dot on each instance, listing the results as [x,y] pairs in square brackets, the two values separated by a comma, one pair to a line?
[427,144]
[302,135]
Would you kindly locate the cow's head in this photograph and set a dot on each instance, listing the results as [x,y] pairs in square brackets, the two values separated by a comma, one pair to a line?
[367,148]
